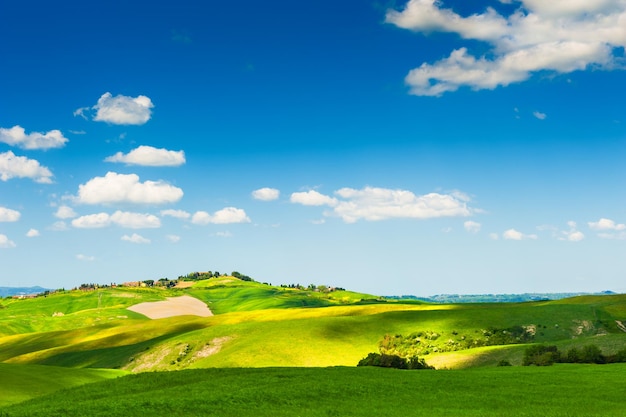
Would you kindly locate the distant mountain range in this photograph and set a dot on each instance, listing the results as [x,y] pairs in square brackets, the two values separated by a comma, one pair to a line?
[494,298]
[9,291]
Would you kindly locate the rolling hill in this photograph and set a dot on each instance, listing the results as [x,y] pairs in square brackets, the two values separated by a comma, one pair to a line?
[258,325]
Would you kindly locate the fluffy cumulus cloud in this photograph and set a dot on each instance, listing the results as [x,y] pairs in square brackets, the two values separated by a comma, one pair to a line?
[135,238]
[32,233]
[513,234]
[5,242]
[120,110]
[9,215]
[609,229]
[266,194]
[16,136]
[12,166]
[124,219]
[65,212]
[606,224]
[149,156]
[126,188]
[224,216]
[472,226]
[373,204]
[559,35]
[313,198]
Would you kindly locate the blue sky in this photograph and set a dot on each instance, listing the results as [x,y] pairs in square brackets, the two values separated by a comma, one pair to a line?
[413,147]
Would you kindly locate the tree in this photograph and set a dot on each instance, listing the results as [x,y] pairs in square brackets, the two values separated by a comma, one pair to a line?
[540,355]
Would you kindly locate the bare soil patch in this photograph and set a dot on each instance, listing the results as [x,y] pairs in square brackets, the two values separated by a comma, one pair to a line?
[174,306]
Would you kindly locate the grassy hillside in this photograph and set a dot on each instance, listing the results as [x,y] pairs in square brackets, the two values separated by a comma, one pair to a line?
[258,325]
[563,390]
[22,382]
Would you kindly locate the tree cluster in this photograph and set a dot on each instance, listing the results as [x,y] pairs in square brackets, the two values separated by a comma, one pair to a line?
[393,361]
[544,355]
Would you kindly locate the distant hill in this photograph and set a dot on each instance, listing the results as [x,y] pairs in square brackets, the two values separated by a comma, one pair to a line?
[495,298]
[9,291]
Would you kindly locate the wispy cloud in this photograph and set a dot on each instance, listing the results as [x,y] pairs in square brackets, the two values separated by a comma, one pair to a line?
[9,215]
[5,242]
[559,36]
[135,238]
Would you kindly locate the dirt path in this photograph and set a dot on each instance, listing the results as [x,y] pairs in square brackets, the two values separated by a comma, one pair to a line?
[175,306]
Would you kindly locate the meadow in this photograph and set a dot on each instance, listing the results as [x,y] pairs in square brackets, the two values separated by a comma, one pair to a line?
[278,349]
[563,390]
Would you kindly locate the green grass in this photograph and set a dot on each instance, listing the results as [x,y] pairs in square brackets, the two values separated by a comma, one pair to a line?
[332,335]
[563,390]
[22,382]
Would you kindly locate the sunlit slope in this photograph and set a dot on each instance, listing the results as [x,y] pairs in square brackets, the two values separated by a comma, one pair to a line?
[228,294]
[257,325]
[73,309]
[22,382]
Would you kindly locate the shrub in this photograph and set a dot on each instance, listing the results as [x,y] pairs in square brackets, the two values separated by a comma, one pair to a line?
[393,361]
[540,355]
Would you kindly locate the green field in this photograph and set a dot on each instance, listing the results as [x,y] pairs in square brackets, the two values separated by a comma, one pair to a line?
[77,337]
[563,390]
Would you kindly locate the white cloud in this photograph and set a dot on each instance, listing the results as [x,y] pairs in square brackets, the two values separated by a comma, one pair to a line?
[224,234]
[149,156]
[179,214]
[122,188]
[539,115]
[32,233]
[16,136]
[560,36]
[266,194]
[92,221]
[131,220]
[12,166]
[374,204]
[65,212]
[313,198]
[606,224]
[573,234]
[5,242]
[224,216]
[121,110]
[513,234]
[58,226]
[135,238]
[471,226]
[8,215]
[85,258]
[616,236]
[173,238]
[124,219]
